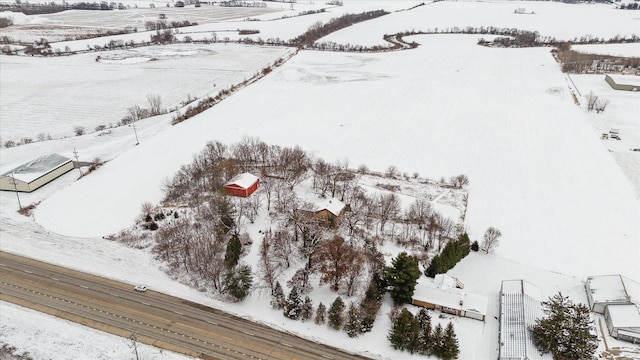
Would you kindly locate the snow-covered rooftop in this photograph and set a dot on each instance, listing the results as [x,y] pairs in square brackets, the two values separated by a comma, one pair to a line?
[332,205]
[442,291]
[624,316]
[626,79]
[607,288]
[34,169]
[519,307]
[244,180]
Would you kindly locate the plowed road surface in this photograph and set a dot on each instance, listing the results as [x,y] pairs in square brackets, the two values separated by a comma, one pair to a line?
[156,318]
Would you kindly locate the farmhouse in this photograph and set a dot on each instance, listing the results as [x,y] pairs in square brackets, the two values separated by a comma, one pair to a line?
[445,294]
[242,185]
[520,305]
[329,210]
[623,82]
[606,290]
[36,173]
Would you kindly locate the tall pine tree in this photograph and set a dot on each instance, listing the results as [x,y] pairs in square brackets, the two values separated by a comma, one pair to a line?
[321,314]
[450,349]
[402,276]
[293,305]
[400,332]
[307,309]
[336,317]
[565,331]
[352,326]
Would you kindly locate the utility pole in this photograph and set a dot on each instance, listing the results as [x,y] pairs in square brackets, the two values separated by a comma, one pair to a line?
[15,186]
[135,131]
[75,153]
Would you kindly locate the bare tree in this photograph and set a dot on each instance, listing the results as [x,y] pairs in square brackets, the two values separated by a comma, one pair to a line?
[601,105]
[155,104]
[388,207]
[270,268]
[592,100]
[418,215]
[282,244]
[459,181]
[490,240]
[294,164]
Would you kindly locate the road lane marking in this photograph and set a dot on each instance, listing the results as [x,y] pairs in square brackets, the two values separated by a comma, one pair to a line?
[114,295]
[327,357]
[144,303]
[84,287]
[28,272]
[248,333]
[54,279]
[179,313]
[285,344]
[212,323]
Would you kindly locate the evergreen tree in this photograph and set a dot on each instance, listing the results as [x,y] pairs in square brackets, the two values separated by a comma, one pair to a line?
[278,296]
[307,309]
[413,338]
[336,311]
[370,306]
[437,341]
[352,326]
[565,331]
[475,246]
[450,349]
[426,338]
[238,282]
[400,330]
[321,314]
[403,276]
[293,305]
[234,249]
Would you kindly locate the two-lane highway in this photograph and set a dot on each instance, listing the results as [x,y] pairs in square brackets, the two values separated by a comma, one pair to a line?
[156,318]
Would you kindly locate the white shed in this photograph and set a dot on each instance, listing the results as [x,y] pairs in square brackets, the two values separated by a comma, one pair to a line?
[606,290]
[36,173]
[623,322]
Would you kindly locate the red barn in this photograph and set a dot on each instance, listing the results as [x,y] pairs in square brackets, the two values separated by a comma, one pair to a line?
[242,185]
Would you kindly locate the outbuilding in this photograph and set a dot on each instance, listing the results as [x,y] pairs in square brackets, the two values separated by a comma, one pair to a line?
[623,82]
[520,306]
[242,185]
[329,210]
[36,173]
[623,322]
[606,290]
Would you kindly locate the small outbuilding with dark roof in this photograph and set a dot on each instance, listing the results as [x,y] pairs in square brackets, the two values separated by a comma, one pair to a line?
[36,173]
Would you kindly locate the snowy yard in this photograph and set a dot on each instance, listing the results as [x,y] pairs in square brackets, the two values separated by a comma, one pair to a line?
[504,117]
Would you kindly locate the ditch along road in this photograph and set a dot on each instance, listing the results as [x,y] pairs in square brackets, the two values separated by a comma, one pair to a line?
[154,318]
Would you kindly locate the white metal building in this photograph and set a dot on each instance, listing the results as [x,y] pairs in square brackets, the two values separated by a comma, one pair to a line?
[36,173]
[623,322]
[606,290]
[520,306]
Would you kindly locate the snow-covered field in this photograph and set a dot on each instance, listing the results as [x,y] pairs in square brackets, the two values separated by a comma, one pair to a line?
[504,117]
[625,50]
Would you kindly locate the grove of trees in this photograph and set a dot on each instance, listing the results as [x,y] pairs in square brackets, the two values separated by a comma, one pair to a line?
[416,334]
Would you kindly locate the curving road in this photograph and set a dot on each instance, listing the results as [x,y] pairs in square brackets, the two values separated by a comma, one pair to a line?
[155,318]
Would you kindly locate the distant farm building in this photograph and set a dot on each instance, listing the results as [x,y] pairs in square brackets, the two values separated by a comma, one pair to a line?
[446,294]
[623,82]
[242,185]
[617,299]
[520,306]
[329,210]
[36,173]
